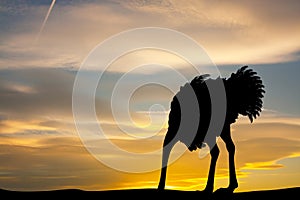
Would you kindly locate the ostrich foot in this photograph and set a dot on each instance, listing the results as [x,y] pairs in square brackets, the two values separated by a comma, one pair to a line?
[208,190]
[228,190]
[161,187]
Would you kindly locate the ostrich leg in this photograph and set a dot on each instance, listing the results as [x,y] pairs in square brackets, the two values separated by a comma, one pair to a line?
[226,137]
[167,147]
[214,152]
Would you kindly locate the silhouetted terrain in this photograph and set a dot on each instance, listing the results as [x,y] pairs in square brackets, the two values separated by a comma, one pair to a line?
[154,194]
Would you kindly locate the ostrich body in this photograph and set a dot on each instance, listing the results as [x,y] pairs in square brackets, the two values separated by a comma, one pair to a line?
[244,93]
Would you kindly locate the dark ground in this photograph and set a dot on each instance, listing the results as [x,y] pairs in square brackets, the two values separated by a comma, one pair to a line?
[285,194]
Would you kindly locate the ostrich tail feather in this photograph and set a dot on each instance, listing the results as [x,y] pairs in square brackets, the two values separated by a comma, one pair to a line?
[245,91]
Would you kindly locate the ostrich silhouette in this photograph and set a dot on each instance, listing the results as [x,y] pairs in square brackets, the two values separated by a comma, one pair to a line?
[244,93]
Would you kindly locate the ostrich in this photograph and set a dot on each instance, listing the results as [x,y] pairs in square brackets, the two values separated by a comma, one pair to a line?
[244,94]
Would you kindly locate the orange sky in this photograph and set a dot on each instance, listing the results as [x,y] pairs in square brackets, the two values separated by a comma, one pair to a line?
[269,151]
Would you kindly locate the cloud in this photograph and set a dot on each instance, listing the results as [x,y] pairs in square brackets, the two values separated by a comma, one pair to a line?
[35,99]
[36,92]
[250,34]
[10,126]
[265,150]
[60,161]
[271,129]
[247,35]
[57,163]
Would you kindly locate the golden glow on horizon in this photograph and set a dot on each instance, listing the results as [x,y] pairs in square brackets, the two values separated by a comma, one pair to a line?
[14,126]
[187,173]
[262,165]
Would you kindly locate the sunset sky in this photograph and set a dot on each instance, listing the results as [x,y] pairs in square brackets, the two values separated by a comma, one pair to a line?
[43,44]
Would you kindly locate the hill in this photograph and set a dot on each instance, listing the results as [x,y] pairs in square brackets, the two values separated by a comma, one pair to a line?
[154,194]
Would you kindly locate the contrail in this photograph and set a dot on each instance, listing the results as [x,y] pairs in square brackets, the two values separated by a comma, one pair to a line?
[45,20]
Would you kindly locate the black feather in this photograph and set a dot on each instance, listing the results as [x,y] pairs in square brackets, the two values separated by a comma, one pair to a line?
[244,92]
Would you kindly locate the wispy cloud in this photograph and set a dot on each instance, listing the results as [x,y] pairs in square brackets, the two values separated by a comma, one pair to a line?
[247,35]
[44,153]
